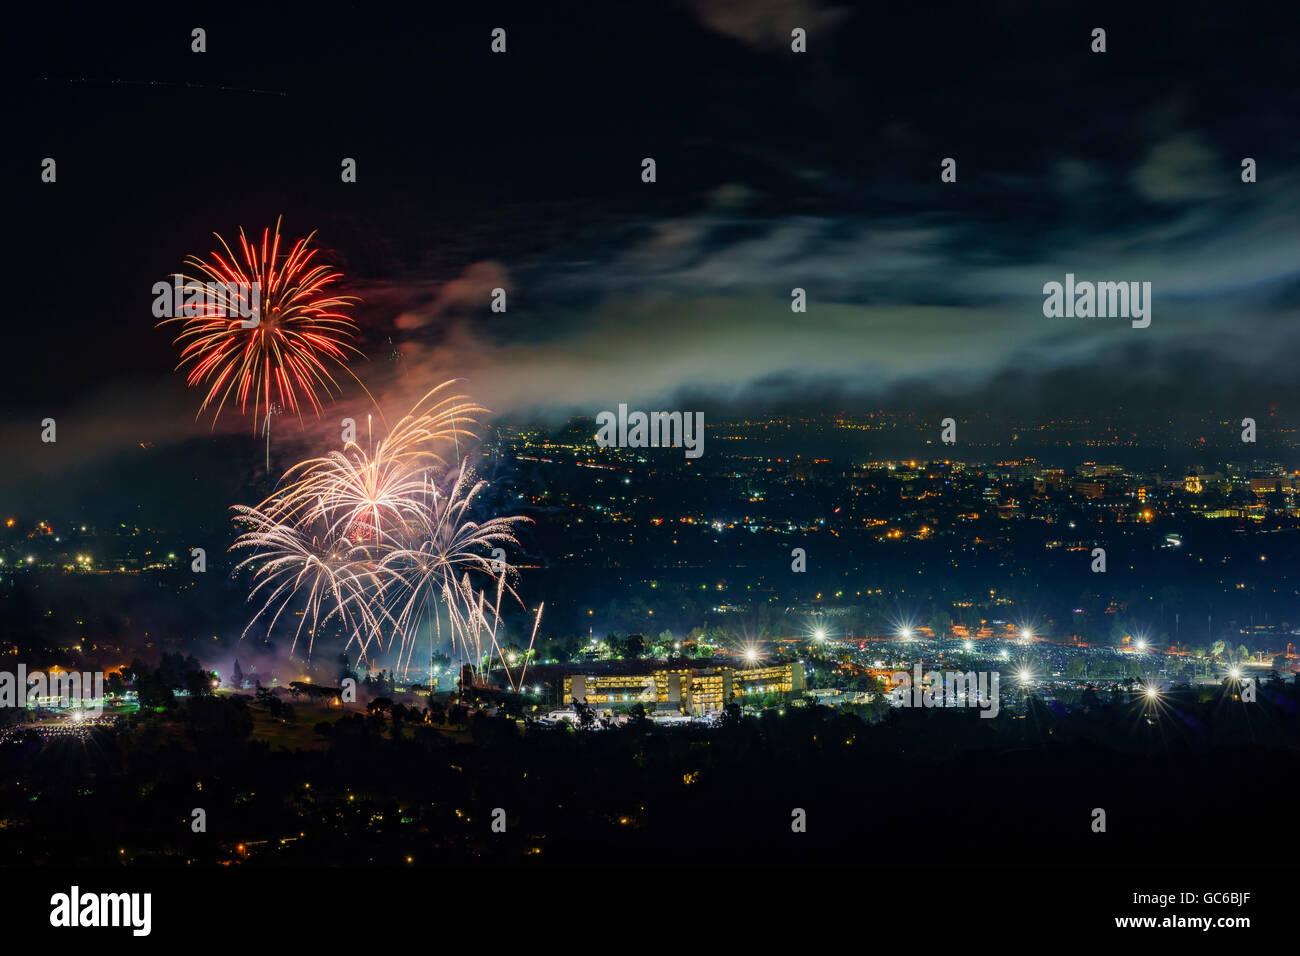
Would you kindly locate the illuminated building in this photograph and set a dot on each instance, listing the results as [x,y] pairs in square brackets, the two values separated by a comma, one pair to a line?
[692,690]
[1090,489]
[777,679]
[608,690]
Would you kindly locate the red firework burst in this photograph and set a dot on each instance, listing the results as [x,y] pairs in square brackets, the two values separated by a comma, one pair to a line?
[281,355]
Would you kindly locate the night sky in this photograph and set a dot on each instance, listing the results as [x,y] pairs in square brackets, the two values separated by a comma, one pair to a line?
[775,170]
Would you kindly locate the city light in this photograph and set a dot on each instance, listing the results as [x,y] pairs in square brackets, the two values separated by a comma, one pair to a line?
[1151,700]
[308,497]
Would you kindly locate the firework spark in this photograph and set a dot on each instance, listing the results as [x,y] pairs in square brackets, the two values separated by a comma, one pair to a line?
[364,493]
[382,539]
[333,578]
[446,552]
[284,359]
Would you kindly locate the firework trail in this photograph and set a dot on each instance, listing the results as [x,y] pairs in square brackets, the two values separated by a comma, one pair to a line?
[286,358]
[480,627]
[382,539]
[291,566]
[446,549]
[367,494]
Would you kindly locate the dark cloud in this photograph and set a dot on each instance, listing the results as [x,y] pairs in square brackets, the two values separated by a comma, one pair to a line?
[766,24]
[776,171]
